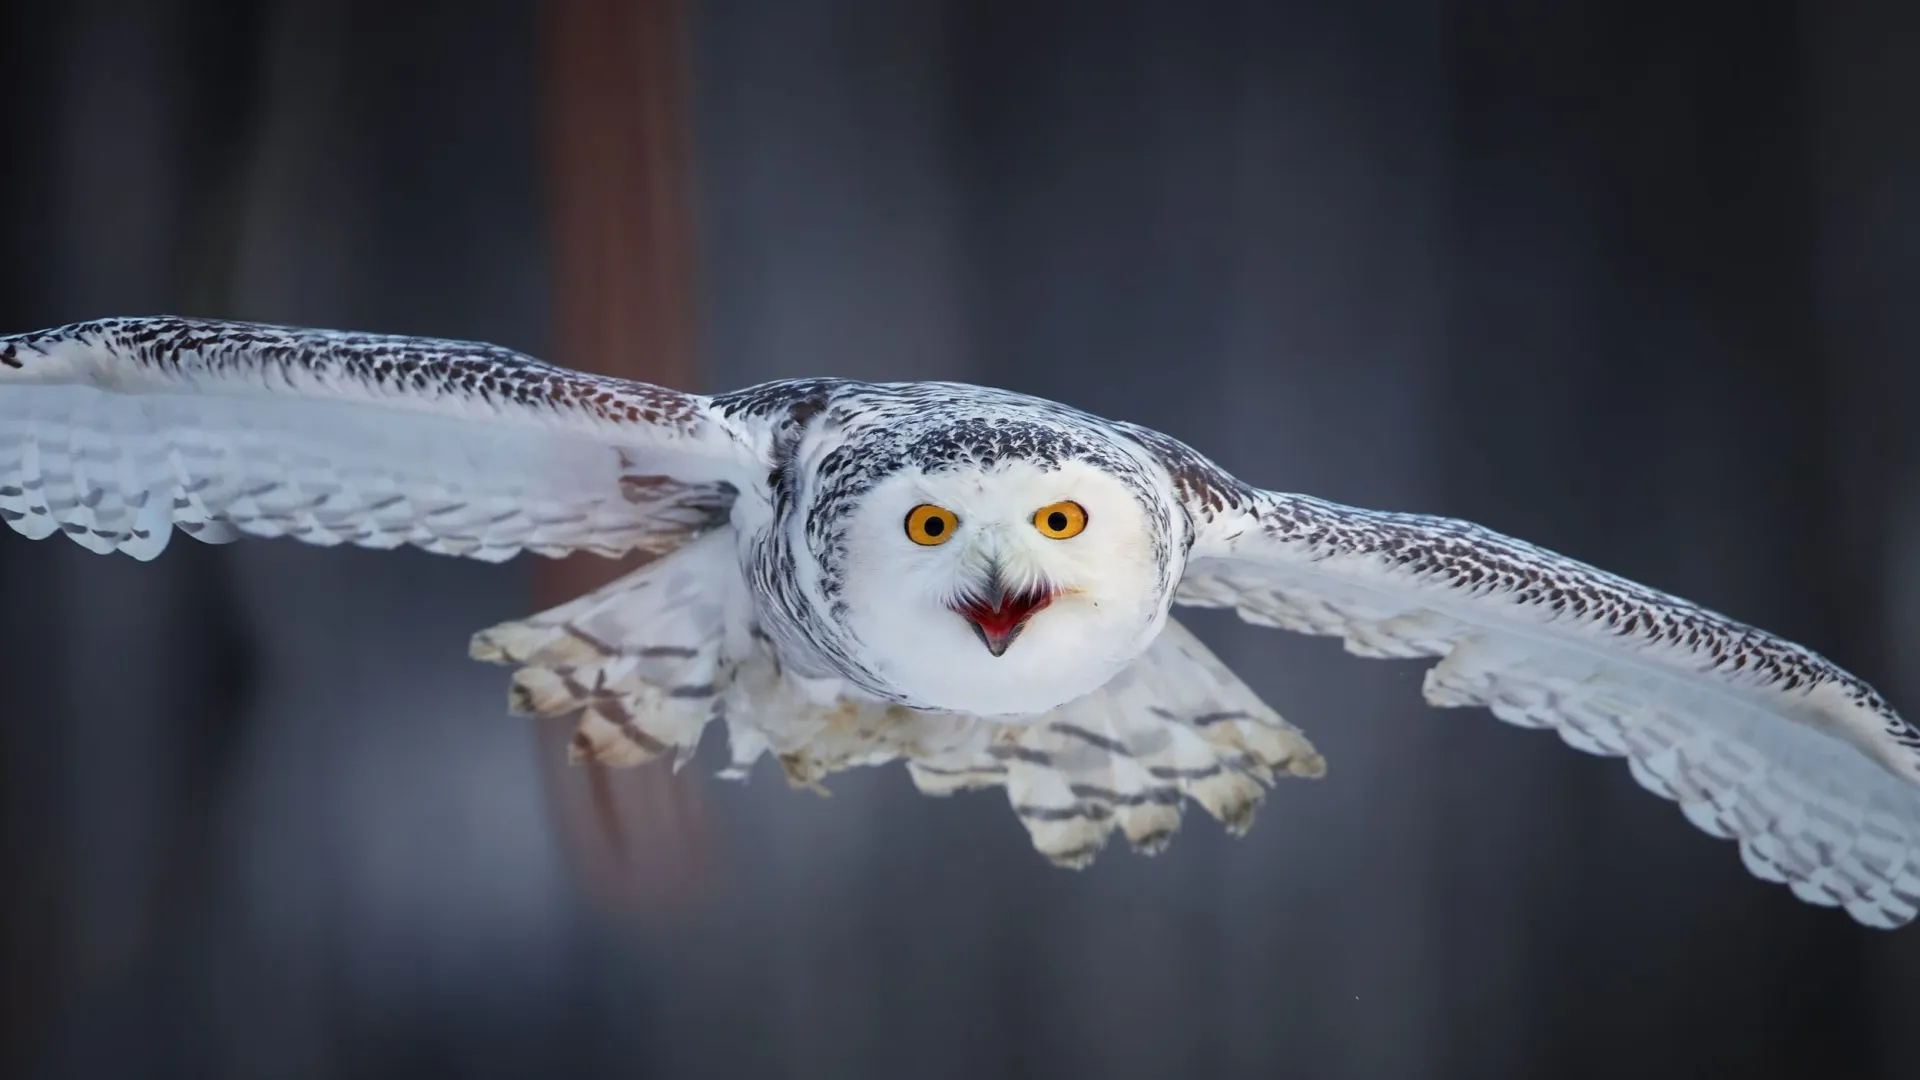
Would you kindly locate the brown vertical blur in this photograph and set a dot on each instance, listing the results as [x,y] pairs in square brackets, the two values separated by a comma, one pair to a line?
[622,289]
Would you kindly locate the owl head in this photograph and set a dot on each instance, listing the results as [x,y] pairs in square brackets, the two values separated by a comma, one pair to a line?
[1008,583]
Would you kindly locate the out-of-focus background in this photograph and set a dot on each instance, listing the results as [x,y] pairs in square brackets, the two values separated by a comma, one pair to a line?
[1634,279]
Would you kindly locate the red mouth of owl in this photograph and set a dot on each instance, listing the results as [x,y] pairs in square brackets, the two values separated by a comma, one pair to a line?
[999,621]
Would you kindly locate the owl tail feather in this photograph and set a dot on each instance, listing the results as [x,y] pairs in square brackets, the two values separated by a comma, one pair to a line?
[638,660]
[1175,726]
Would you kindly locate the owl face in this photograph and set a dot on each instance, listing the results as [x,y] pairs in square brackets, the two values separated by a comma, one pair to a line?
[1003,588]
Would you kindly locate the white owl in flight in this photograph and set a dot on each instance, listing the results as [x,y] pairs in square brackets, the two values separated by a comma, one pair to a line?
[972,580]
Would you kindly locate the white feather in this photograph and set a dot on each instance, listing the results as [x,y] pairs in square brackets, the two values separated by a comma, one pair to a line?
[113,432]
[642,661]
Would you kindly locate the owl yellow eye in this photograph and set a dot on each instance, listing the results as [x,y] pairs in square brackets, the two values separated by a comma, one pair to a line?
[929,525]
[1061,521]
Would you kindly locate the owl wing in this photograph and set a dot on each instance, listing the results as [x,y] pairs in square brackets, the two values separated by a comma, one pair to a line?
[1758,739]
[113,432]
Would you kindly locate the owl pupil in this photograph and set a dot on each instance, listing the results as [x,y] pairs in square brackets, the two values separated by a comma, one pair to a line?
[1057,521]
[934,527]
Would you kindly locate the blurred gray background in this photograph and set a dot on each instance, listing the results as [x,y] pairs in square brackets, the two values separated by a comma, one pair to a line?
[1631,278]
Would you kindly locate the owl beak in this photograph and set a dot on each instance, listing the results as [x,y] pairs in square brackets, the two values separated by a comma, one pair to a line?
[998,616]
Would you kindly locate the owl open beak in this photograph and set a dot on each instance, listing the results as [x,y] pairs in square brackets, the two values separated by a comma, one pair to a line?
[999,621]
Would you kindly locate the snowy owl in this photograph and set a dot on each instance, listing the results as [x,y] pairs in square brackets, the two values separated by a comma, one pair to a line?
[972,580]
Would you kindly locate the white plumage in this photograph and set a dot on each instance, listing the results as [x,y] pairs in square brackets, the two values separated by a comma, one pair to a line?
[970,580]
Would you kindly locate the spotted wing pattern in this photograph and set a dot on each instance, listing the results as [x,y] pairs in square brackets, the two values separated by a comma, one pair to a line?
[114,432]
[1759,740]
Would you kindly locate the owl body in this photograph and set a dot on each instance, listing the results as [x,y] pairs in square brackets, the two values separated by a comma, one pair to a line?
[972,581]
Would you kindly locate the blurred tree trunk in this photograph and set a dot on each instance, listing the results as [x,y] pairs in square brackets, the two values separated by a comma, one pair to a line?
[622,285]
